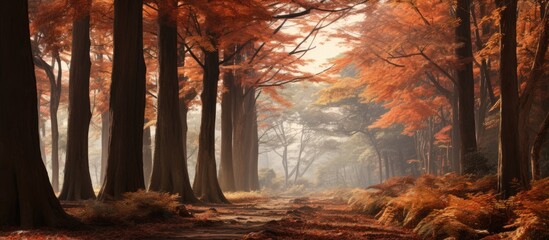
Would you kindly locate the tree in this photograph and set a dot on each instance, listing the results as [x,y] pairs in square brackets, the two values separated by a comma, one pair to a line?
[511,170]
[470,164]
[127,102]
[530,90]
[49,39]
[27,199]
[226,171]
[170,166]
[77,183]
[206,185]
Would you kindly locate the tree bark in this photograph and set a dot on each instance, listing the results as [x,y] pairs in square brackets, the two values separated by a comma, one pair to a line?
[226,172]
[205,185]
[169,162]
[511,177]
[470,164]
[127,103]
[77,183]
[27,199]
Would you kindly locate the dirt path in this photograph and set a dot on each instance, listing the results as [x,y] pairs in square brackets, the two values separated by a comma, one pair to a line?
[286,218]
[275,218]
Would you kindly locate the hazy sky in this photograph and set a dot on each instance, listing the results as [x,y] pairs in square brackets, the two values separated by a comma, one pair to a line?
[326,47]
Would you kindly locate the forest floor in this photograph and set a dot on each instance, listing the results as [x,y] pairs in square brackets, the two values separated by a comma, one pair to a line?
[272,218]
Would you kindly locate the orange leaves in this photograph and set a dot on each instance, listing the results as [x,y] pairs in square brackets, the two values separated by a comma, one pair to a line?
[443,136]
[404,57]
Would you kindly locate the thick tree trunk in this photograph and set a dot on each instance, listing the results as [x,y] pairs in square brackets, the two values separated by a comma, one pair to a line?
[77,183]
[27,199]
[127,102]
[470,163]
[105,127]
[169,162]
[147,155]
[510,169]
[205,185]
[226,172]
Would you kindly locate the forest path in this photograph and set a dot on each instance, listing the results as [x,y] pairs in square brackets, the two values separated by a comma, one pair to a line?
[285,218]
[274,218]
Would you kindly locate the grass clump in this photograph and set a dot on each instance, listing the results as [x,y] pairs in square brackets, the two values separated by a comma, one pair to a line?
[340,195]
[373,200]
[135,207]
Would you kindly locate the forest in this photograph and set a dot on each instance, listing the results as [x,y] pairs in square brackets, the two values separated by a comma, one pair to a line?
[274,119]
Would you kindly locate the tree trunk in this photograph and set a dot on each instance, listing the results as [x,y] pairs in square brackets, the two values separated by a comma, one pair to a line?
[241,138]
[105,127]
[226,172]
[541,137]
[147,155]
[205,183]
[470,163]
[127,102]
[183,106]
[27,199]
[431,165]
[530,90]
[77,183]
[254,158]
[386,162]
[169,159]
[486,93]
[456,144]
[510,169]
[55,98]
[285,165]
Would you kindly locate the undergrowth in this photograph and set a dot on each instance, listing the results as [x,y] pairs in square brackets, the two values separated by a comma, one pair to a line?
[455,207]
[136,207]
